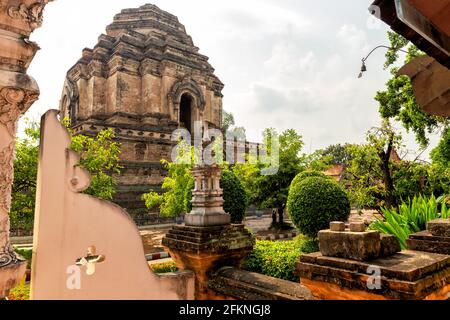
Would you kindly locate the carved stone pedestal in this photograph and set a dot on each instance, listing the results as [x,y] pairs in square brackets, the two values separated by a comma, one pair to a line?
[207,202]
[204,250]
[436,239]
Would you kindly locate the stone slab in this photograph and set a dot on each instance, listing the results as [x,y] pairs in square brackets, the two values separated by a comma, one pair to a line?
[337,226]
[207,220]
[214,239]
[426,235]
[389,245]
[439,227]
[244,285]
[406,275]
[407,265]
[425,241]
[359,246]
[357,227]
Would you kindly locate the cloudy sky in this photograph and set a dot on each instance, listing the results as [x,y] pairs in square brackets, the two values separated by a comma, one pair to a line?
[285,63]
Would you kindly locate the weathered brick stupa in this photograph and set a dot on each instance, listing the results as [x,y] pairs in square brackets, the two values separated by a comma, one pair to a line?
[145,78]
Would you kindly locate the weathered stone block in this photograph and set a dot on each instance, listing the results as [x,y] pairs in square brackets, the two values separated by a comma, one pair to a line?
[409,275]
[360,246]
[439,227]
[389,245]
[358,227]
[426,242]
[243,285]
[202,220]
[337,226]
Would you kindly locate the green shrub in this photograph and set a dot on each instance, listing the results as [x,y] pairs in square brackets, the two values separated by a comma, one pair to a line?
[314,202]
[310,246]
[412,217]
[234,196]
[27,254]
[165,267]
[307,174]
[276,259]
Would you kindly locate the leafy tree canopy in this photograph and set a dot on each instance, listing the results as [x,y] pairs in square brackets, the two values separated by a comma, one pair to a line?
[99,155]
[397,101]
[271,190]
[176,198]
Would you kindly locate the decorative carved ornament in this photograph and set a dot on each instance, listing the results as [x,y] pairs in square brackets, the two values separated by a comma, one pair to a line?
[13,103]
[190,86]
[8,256]
[32,14]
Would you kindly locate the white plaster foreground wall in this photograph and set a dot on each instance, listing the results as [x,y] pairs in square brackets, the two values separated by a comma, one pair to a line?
[68,223]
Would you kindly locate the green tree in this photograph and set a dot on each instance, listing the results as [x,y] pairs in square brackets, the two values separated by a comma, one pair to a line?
[176,198]
[338,153]
[99,155]
[248,174]
[25,175]
[317,162]
[227,121]
[440,168]
[397,101]
[322,159]
[273,189]
[376,179]
[441,154]
[177,189]
[369,173]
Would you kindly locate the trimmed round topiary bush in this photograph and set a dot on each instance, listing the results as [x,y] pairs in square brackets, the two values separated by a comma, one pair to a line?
[315,202]
[234,196]
[308,174]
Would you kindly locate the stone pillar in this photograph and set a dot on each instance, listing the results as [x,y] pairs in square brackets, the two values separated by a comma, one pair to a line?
[18,91]
[207,202]
[208,241]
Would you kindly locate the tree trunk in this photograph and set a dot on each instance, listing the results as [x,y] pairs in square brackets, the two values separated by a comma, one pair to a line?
[385,157]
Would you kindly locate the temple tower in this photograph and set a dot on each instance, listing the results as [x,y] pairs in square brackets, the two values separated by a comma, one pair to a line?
[145,78]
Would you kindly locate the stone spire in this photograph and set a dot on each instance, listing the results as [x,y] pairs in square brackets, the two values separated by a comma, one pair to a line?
[149,19]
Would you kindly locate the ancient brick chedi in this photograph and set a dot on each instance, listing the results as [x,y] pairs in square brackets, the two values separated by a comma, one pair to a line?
[145,78]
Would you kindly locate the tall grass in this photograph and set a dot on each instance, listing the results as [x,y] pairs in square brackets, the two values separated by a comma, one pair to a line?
[411,217]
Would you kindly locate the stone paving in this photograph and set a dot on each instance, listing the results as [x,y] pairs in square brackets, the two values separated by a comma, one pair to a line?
[152,240]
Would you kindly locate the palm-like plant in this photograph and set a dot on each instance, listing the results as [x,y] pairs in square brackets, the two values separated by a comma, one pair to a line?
[411,217]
